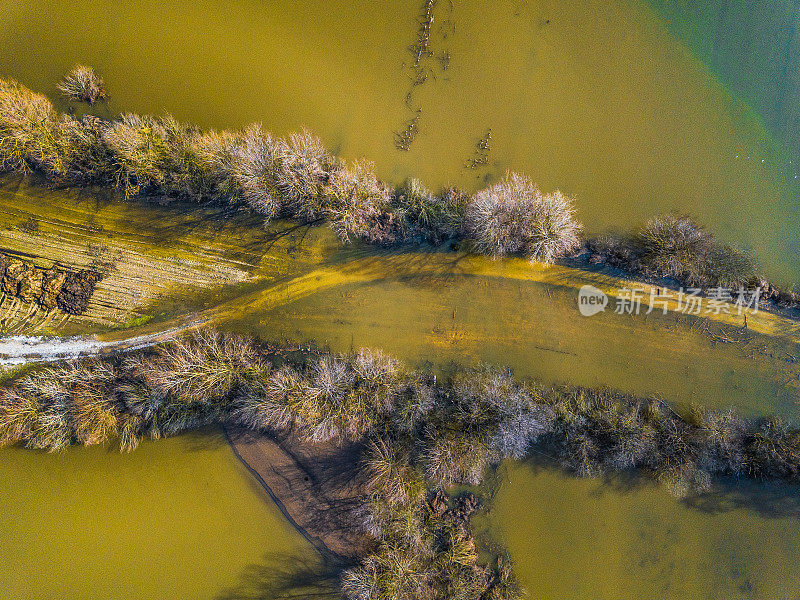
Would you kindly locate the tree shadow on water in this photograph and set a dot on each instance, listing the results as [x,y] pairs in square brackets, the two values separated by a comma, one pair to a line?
[287,576]
[767,499]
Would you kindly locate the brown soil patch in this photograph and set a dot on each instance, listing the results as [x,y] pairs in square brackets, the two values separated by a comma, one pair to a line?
[318,487]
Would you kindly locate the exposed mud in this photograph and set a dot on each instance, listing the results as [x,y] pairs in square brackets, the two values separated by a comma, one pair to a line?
[318,487]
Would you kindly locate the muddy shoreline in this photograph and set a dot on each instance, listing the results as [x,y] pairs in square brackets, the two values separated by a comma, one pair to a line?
[317,487]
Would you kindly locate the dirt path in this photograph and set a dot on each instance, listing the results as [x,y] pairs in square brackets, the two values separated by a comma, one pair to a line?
[21,349]
[15,350]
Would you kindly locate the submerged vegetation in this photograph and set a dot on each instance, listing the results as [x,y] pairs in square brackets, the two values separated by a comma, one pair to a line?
[422,436]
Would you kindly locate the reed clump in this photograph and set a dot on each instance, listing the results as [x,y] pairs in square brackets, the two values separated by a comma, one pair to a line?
[83,85]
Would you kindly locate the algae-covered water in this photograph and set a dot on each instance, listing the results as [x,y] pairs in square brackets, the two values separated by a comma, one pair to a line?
[610,101]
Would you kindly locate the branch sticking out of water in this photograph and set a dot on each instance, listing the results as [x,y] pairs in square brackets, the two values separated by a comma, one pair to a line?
[482,148]
[420,48]
[404,138]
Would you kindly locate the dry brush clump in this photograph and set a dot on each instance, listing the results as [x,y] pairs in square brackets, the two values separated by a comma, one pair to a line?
[295,177]
[676,247]
[83,85]
[33,136]
[54,408]
[516,217]
[155,155]
[331,397]
[450,431]
[201,369]
[424,548]
[298,178]
[360,206]
[431,217]
[255,162]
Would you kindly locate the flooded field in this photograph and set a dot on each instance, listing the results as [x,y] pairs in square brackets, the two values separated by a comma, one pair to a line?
[595,98]
[537,330]
[608,101]
[574,538]
[178,518]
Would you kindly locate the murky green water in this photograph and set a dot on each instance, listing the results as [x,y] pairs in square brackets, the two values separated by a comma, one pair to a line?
[754,47]
[596,98]
[178,518]
[586,539]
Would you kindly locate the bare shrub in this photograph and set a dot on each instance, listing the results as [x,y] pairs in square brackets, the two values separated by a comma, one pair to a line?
[83,84]
[773,450]
[216,155]
[86,157]
[202,368]
[257,160]
[514,216]
[19,415]
[139,152]
[729,267]
[515,434]
[50,408]
[345,397]
[359,206]
[393,572]
[684,479]
[30,132]
[675,247]
[723,448]
[303,172]
[261,406]
[618,251]
[154,154]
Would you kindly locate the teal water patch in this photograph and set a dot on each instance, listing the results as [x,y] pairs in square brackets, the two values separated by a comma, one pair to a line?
[754,48]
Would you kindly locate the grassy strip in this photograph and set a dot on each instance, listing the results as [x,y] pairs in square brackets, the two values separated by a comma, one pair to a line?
[424,437]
